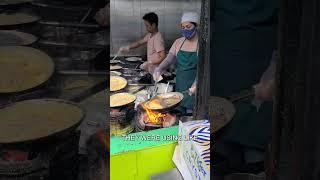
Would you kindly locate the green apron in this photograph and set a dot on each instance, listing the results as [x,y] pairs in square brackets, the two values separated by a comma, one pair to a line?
[243,40]
[186,74]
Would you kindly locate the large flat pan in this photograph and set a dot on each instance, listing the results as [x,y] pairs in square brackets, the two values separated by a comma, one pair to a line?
[13,2]
[16,38]
[17,19]
[23,68]
[38,119]
[164,101]
[222,110]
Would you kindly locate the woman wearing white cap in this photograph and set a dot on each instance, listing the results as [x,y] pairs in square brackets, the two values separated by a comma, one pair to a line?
[184,52]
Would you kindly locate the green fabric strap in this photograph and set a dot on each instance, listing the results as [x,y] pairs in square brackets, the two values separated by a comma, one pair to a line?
[186,74]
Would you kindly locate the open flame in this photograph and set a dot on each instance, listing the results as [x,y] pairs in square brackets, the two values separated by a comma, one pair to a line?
[153,117]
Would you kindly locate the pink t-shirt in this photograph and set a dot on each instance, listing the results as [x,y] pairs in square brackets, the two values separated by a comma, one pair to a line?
[155,44]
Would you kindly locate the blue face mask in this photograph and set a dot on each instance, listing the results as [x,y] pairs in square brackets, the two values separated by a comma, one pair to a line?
[189,33]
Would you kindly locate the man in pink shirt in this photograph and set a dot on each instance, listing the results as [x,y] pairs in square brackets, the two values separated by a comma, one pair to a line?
[154,41]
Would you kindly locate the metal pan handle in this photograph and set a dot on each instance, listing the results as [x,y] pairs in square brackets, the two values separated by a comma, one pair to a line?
[243,95]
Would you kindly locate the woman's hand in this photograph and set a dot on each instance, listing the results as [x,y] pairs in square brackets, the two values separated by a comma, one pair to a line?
[124,49]
[265,90]
[145,66]
[156,75]
[193,89]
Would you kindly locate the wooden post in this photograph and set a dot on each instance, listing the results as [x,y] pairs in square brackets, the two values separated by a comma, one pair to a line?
[295,144]
[203,74]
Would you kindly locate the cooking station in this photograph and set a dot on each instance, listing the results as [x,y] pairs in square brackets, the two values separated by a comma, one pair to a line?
[136,116]
[76,47]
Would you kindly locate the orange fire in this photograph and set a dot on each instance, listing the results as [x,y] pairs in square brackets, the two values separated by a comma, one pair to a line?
[154,117]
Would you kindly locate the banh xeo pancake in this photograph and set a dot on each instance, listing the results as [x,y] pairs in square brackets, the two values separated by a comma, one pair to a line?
[115,67]
[15,38]
[163,101]
[11,2]
[117,83]
[23,68]
[154,104]
[38,118]
[121,99]
[17,18]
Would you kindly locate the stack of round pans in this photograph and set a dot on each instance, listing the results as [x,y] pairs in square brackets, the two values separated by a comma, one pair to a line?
[23,68]
[16,38]
[17,19]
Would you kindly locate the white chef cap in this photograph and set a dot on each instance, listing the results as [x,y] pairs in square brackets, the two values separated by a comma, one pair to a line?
[190,17]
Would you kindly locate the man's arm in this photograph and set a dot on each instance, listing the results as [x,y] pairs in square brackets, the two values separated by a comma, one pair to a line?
[125,49]
[138,43]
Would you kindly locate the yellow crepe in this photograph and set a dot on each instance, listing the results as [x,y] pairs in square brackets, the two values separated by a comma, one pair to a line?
[115,67]
[117,83]
[121,99]
[22,68]
[154,104]
[17,18]
[33,119]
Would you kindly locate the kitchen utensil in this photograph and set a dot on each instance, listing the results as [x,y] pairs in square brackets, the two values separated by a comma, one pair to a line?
[133,84]
[161,88]
[167,88]
[115,57]
[132,69]
[243,95]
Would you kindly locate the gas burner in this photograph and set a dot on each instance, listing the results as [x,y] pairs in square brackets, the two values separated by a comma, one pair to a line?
[45,160]
[146,120]
[121,120]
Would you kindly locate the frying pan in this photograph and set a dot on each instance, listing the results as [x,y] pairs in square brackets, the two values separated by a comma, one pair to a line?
[28,52]
[16,38]
[16,20]
[14,2]
[72,100]
[162,97]
[226,106]
[61,133]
